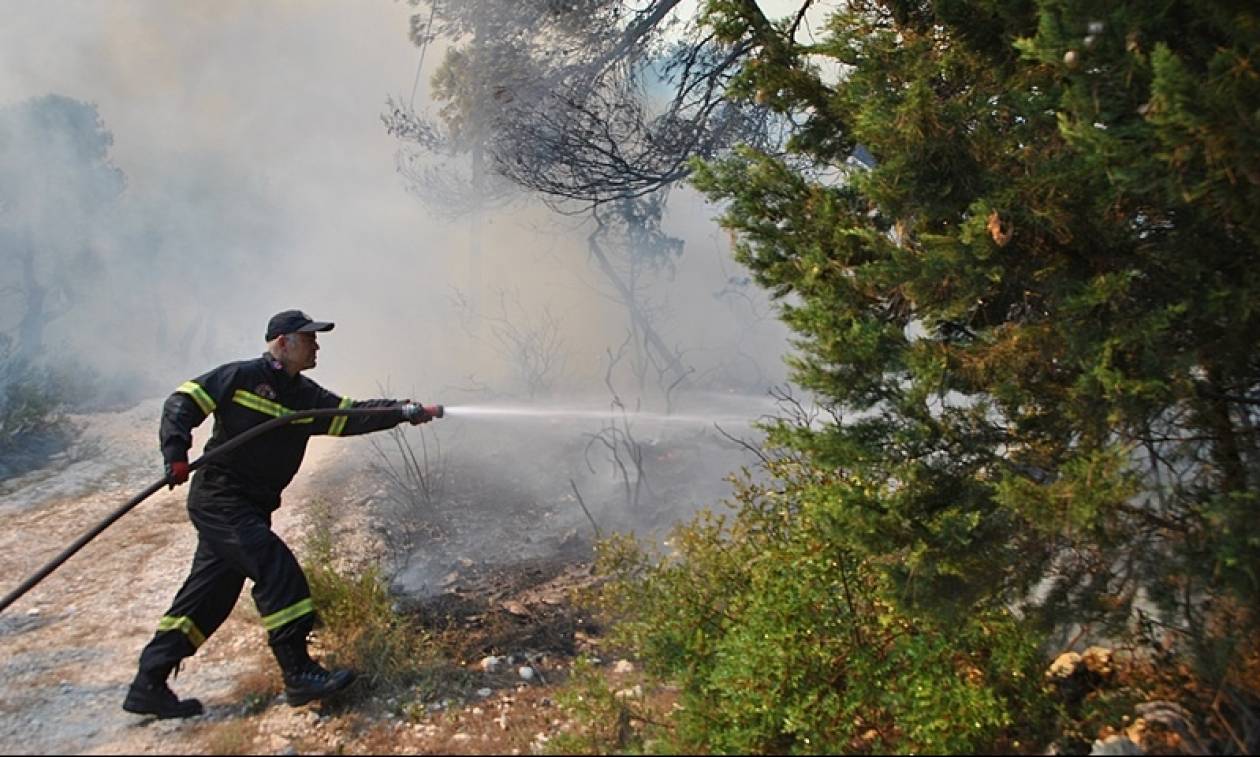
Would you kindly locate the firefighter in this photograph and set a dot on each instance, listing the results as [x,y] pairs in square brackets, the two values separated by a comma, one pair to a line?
[230,503]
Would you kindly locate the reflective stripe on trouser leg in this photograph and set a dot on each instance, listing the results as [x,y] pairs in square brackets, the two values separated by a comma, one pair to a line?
[293,620]
[202,604]
[241,535]
[184,625]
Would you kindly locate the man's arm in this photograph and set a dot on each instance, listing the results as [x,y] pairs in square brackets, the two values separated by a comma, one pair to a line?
[346,425]
[187,407]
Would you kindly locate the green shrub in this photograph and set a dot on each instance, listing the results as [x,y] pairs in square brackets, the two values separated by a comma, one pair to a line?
[602,715]
[360,626]
[783,640]
[33,403]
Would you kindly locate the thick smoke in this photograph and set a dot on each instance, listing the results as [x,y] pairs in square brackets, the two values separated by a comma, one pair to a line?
[213,165]
[171,175]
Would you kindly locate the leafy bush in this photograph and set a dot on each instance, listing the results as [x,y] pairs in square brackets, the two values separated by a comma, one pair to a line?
[360,626]
[33,404]
[602,714]
[785,640]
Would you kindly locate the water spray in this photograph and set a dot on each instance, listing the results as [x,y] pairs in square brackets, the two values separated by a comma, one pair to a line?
[408,411]
[572,413]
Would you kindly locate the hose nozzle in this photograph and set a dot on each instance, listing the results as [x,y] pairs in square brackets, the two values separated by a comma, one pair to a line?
[417,413]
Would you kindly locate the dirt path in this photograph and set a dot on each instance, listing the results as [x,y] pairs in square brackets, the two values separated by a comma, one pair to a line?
[68,648]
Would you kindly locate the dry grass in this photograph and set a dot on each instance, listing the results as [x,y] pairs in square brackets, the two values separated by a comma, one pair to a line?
[256,689]
[232,737]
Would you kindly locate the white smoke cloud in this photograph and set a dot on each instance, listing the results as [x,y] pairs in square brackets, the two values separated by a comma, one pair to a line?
[259,178]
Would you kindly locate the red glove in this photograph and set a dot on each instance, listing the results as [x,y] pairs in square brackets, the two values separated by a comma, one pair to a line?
[176,474]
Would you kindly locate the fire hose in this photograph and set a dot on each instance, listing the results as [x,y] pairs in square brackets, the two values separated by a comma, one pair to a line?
[435,411]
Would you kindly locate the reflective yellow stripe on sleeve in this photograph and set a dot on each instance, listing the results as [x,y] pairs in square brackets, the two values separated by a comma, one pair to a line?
[199,395]
[265,406]
[184,625]
[288,614]
[339,422]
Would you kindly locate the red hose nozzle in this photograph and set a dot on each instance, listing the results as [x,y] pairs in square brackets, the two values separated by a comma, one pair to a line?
[437,411]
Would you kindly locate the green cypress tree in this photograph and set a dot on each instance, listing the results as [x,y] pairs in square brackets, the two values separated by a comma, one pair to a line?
[1038,314]
[1040,306]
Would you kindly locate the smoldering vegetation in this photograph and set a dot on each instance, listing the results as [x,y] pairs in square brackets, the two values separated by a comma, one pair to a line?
[493,491]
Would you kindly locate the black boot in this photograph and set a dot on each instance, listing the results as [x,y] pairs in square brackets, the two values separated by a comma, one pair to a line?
[149,695]
[304,679]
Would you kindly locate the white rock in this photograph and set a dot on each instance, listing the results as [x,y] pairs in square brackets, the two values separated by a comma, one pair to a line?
[623,666]
[483,693]
[491,664]
[461,737]
[1115,745]
[634,692]
[526,672]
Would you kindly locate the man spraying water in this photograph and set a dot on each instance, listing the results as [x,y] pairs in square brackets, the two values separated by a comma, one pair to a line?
[231,501]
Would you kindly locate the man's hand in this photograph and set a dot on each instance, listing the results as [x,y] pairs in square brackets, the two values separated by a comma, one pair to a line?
[415,413]
[176,474]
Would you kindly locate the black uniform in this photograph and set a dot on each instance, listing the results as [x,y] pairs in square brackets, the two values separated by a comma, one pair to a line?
[232,497]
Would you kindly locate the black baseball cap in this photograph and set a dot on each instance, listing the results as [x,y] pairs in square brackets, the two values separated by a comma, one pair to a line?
[293,321]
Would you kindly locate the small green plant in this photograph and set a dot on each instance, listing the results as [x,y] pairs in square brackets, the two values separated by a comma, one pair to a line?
[609,720]
[360,626]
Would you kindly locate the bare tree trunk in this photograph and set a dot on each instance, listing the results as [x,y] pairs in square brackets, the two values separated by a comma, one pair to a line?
[474,240]
[636,313]
[1225,449]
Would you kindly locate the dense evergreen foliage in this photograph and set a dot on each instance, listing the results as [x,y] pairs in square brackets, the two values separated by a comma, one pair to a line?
[1035,317]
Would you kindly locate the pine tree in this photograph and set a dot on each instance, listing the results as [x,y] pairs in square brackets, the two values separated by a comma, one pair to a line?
[1037,313]
[1040,305]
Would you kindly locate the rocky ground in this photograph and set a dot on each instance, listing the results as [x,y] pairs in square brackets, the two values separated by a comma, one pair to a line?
[491,571]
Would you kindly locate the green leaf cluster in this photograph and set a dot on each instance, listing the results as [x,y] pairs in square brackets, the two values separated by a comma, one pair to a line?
[34,404]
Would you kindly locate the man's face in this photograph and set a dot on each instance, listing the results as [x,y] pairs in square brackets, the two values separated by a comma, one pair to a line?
[300,349]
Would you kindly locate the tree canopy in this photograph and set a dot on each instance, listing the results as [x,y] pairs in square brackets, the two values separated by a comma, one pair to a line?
[582,102]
